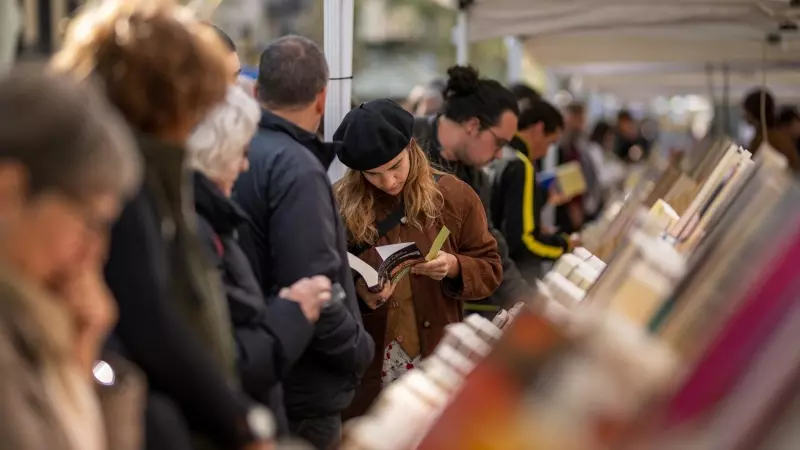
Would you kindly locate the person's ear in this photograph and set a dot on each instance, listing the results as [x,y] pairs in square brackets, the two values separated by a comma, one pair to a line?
[13,188]
[473,126]
[321,100]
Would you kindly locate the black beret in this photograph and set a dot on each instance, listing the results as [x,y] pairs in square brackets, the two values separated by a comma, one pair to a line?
[373,133]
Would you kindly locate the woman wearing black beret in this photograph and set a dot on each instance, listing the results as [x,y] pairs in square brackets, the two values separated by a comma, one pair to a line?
[389,173]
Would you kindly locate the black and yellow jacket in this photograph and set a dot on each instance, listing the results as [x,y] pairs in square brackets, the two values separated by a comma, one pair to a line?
[517,203]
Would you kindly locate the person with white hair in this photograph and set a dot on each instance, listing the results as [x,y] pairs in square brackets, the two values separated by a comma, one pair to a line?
[270,335]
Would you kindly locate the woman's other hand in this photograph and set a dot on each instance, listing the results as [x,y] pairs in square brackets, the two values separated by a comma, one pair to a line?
[374,299]
[445,265]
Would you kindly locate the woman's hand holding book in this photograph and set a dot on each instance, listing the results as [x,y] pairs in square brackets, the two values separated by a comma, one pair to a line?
[444,265]
[374,299]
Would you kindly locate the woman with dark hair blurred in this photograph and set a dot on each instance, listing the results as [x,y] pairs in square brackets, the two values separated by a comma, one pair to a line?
[164,72]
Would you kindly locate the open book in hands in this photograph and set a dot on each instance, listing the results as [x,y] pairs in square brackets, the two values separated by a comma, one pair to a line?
[397,261]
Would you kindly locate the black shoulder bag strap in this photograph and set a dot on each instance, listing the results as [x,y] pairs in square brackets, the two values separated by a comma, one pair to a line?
[386,225]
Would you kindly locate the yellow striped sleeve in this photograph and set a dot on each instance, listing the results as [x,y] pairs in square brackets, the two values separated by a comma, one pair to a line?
[528,222]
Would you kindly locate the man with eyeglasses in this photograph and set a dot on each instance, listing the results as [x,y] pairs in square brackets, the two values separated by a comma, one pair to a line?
[478,119]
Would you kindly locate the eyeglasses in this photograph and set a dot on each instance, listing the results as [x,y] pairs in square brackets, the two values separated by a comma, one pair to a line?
[498,141]
[93,222]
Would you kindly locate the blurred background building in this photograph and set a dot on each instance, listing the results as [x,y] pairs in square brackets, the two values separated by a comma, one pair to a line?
[400,44]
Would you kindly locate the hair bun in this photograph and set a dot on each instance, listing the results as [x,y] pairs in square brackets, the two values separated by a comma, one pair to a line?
[462,80]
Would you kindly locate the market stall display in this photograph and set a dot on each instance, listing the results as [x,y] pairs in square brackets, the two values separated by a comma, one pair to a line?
[675,310]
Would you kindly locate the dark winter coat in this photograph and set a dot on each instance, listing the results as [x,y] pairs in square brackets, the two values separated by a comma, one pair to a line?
[296,232]
[173,321]
[270,336]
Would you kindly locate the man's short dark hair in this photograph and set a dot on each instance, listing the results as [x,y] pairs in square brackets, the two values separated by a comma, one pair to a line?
[576,108]
[291,73]
[226,39]
[752,106]
[624,116]
[543,112]
[525,94]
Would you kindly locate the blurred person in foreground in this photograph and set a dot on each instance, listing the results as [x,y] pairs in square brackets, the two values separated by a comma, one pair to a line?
[269,339]
[517,199]
[777,137]
[165,72]
[296,233]
[389,172]
[67,164]
[479,118]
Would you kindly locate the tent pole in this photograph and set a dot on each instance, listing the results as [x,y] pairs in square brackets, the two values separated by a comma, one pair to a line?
[339,53]
[712,94]
[461,33]
[515,54]
[726,98]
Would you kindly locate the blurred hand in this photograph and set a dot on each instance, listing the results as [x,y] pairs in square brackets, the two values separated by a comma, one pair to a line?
[556,198]
[94,313]
[90,301]
[575,240]
[374,299]
[549,230]
[445,265]
[310,293]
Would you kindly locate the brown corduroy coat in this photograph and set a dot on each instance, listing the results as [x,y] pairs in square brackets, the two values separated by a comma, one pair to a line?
[436,303]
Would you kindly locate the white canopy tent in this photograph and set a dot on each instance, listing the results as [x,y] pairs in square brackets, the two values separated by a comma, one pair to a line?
[654,47]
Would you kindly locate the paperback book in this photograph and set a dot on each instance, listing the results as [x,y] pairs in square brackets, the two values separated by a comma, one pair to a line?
[398,259]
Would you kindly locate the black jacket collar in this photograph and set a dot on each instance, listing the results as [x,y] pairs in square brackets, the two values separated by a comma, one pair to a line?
[325,152]
[220,212]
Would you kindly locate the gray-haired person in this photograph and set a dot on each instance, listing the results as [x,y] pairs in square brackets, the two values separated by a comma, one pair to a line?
[296,233]
[67,164]
[270,337]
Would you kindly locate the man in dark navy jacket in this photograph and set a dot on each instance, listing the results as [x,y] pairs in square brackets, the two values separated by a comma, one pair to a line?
[296,232]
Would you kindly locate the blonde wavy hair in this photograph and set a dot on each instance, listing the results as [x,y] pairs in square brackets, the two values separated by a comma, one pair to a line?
[356,198]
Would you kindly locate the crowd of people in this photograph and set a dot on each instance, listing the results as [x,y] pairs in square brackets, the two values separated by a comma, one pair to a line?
[175,266]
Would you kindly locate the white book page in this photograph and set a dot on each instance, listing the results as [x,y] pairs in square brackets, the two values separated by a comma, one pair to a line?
[385,251]
[369,274]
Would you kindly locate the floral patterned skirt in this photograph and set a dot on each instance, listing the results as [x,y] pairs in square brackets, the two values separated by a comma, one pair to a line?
[396,363]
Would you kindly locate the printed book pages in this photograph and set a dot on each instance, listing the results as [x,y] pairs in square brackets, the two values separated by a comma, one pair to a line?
[397,261]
